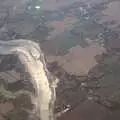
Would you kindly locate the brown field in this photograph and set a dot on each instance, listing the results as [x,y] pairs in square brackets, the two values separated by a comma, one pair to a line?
[79,60]
[60,26]
[112,13]
[87,111]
